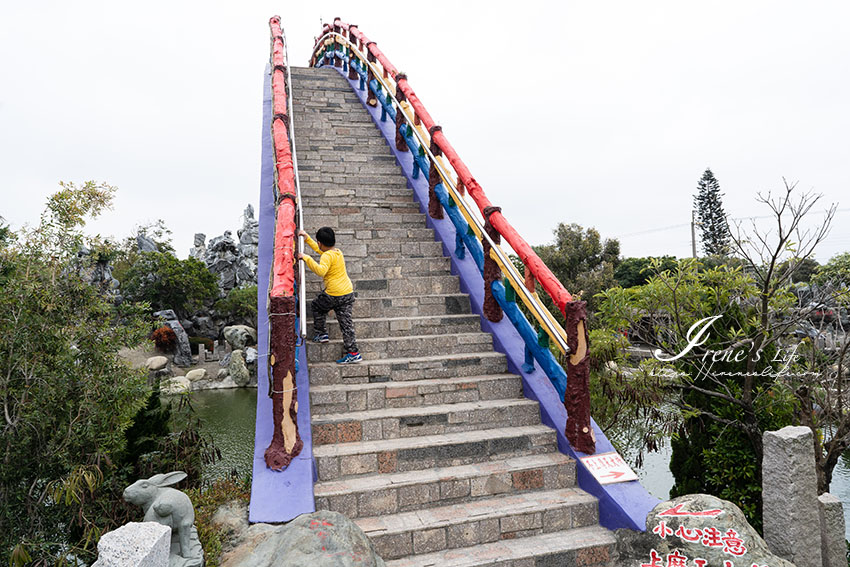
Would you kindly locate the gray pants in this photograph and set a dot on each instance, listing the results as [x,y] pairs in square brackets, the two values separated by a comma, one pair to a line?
[342,306]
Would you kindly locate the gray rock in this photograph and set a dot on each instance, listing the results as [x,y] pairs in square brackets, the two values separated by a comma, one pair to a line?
[221,374]
[240,336]
[251,355]
[233,261]
[166,314]
[238,370]
[183,351]
[205,327]
[145,244]
[137,544]
[320,539]
[721,533]
[199,250]
[832,531]
[790,496]
[225,360]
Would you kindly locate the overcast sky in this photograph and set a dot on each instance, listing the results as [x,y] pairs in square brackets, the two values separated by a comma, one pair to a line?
[603,114]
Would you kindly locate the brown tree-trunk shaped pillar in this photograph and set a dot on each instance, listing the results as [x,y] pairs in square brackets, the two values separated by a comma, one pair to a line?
[435,209]
[400,142]
[577,398]
[492,272]
[286,441]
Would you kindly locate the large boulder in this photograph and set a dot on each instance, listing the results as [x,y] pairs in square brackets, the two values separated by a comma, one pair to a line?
[240,336]
[238,370]
[320,539]
[155,363]
[696,527]
[234,261]
[146,244]
[183,351]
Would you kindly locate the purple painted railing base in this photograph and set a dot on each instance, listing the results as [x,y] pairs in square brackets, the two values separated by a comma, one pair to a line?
[276,496]
[622,505]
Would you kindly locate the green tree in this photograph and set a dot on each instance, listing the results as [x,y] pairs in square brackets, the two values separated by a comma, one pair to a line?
[836,271]
[166,282]
[239,307]
[637,271]
[714,229]
[67,399]
[747,375]
[581,260]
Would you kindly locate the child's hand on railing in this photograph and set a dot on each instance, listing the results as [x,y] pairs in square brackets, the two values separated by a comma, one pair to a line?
[304,234]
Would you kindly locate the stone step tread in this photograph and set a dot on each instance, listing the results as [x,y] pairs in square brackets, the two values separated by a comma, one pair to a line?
[490,508]
[414,359]
[555,548]
[410,478]
[429,441]
[411,338]
[420,410]
[437,382]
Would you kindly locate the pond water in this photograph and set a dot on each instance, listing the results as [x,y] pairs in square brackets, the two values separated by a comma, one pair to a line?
[228,415]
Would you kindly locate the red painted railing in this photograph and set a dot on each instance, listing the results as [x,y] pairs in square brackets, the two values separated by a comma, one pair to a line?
[286,442]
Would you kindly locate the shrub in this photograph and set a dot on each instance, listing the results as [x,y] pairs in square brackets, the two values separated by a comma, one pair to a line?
[240,306]
[209,499]
[164,338]
[167,282]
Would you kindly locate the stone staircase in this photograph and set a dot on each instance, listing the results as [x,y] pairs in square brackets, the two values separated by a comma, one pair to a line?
[428,443]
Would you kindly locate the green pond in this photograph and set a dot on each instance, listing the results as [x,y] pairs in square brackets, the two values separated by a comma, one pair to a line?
[228,416]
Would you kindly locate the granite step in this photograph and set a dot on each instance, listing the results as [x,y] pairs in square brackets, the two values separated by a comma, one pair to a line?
[374,220]
[425,452]
[413,306]
[377,348]
[591,546]
[339,398]
[386,252]
[415,286]
[489,520]
[407,326]
[398,423]
[375,495]
[408,368]
[378,267]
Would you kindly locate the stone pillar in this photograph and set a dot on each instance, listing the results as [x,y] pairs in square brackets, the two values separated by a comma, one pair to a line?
[202,353]
[790,496]
[832,531]
[137,544]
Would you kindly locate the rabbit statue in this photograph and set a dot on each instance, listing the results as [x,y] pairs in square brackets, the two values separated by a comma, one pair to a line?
[165,505]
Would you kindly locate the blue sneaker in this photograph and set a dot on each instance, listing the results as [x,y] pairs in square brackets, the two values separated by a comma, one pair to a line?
[321,338]
[350,358]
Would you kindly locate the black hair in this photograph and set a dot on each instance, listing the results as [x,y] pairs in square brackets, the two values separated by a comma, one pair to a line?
[326,236]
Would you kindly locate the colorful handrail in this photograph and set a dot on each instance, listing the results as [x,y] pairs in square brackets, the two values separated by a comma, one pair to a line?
[375,71]
[286,441]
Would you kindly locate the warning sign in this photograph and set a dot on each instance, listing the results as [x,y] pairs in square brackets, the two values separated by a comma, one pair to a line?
[609,468]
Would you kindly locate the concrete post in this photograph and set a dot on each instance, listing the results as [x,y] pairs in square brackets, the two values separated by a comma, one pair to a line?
[790,496]
[832,531]
[202,354]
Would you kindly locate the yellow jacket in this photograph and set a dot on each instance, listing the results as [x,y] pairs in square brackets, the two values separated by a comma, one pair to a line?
[331,267]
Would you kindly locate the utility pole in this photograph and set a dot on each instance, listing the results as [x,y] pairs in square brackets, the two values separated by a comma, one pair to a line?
[693,236]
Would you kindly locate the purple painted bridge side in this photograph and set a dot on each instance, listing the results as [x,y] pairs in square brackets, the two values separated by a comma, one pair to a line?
[622,505]
[276,496]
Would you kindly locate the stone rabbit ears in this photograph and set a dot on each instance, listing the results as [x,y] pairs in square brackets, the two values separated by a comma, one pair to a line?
[167,479]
